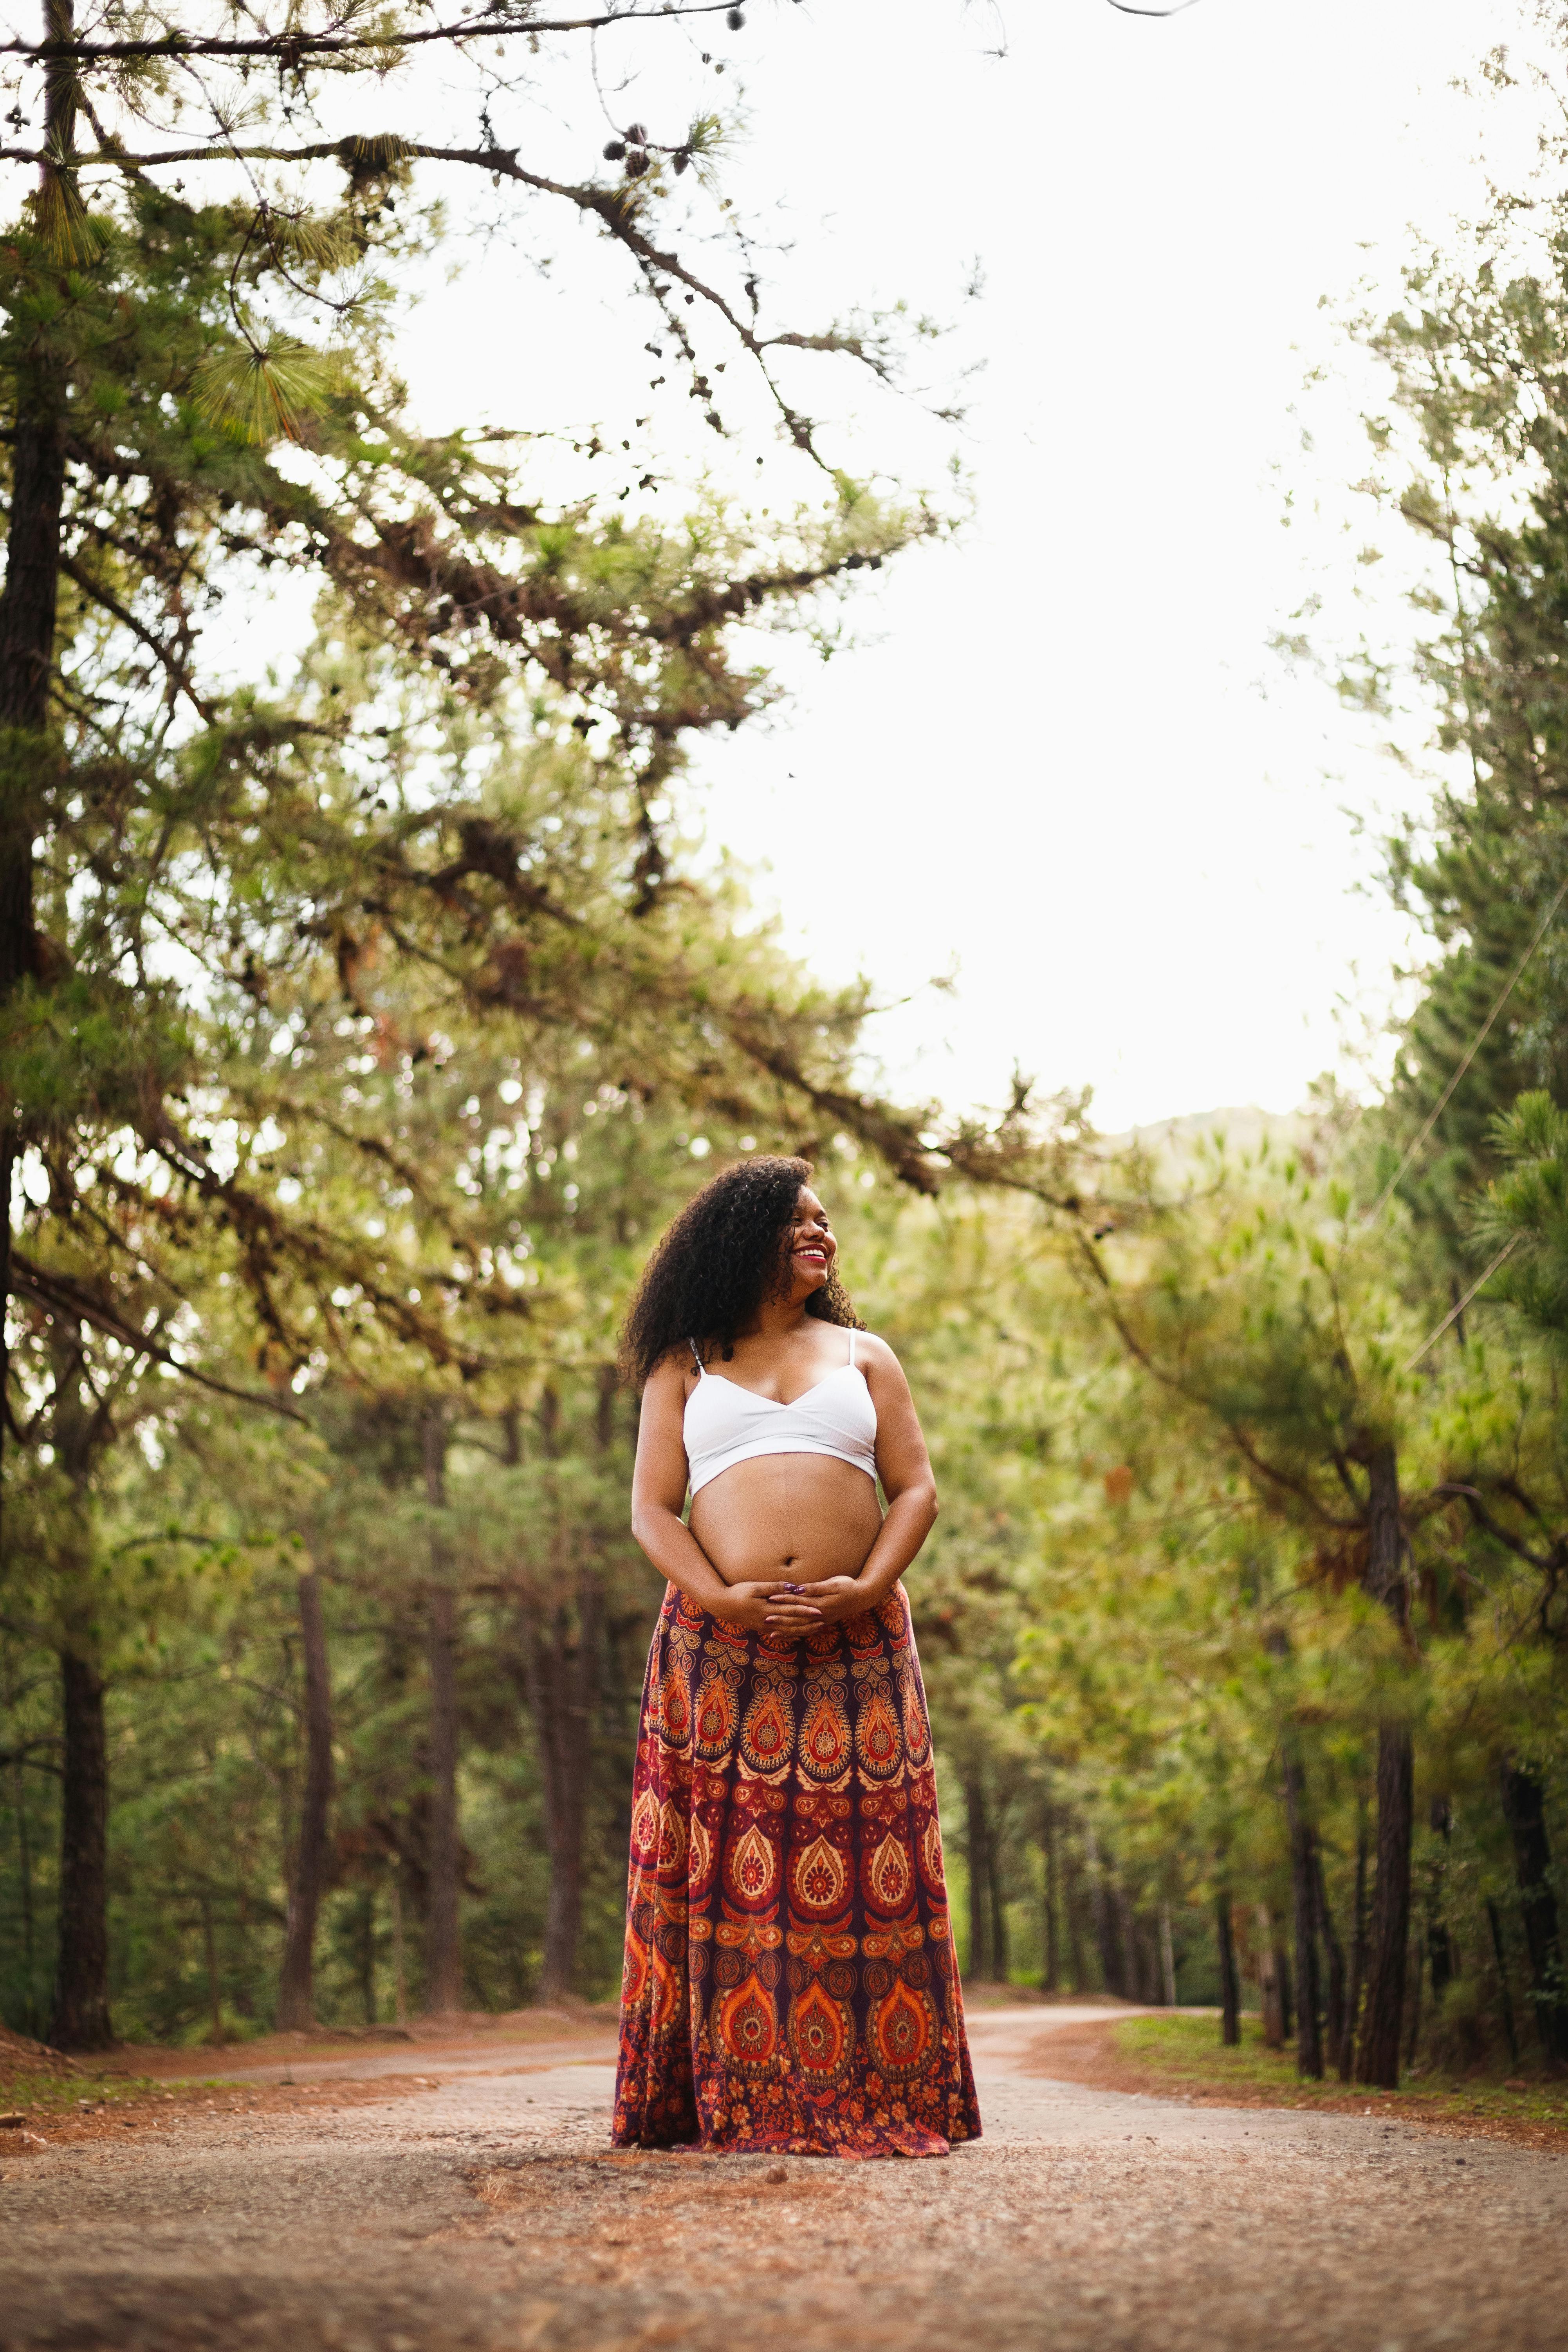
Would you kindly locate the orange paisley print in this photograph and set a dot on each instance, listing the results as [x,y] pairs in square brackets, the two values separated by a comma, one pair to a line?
[790,1984]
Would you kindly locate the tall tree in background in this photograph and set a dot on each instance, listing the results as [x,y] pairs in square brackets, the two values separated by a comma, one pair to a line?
[1273,1322]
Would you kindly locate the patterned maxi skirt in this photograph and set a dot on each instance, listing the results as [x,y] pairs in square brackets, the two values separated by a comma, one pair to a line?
[789,1982]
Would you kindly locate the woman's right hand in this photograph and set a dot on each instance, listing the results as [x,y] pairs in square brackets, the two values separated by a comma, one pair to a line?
[768,1607]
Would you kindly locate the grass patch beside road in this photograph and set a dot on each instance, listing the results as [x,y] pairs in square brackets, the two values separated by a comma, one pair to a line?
[46,2096]
[1186,2054]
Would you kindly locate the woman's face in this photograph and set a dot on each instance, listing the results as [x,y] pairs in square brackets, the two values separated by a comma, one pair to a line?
[809,1246]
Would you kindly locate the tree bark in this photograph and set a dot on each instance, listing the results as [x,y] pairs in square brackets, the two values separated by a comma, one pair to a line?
[1358,1950]
[1378,2059]
[443,1939]
[1051,1858]
[564,1676]
[399,1959]
[998,1909]
[1167,1959]
[1073,1890]
[1134,1983]
[80,2018]
[367,1954]
[1439,1937]
[1271,1991]
[1304,1908]
[1282,1977]
[214,1983]
[1524,1809]
[1505,1991]
[1335,2052]
[980,1955]
[296,1989]
[1413,2033]
[28,611]
[1229,1976]
[31,2022]
[29,599]
[1111,1966]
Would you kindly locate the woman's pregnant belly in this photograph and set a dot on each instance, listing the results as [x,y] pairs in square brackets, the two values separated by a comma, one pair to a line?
[797,1516]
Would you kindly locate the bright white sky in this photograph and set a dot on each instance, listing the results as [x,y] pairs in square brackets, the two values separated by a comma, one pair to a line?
[1061,760]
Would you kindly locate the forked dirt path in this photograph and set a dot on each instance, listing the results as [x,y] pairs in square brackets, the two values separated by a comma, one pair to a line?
[485,2212]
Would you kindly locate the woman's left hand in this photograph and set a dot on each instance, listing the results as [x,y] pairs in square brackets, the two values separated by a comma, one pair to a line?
[838,1597]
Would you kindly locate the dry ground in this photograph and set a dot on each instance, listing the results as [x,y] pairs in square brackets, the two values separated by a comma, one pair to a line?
[459,2194]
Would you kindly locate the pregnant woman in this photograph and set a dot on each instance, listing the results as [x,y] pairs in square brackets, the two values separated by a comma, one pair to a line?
[789,1982]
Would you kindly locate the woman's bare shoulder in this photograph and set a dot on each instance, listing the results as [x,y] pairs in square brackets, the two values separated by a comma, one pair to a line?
[872,1348]
[668,1382]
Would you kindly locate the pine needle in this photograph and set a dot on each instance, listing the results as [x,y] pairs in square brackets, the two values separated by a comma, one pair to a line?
[263,395]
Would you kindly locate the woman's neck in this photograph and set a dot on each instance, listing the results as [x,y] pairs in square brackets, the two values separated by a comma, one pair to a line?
[776,1318]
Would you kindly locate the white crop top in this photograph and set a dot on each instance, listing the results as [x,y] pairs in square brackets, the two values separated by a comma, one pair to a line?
[726,1424]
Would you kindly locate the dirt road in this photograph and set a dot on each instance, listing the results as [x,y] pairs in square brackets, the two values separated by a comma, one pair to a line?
[485,2212]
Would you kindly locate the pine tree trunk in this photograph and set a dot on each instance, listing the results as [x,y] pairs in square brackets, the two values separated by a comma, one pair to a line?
[443,1946]
[1524,1809]
[32,2023]
[1378,2060]
[1134,1984]
[1439,1936]
[998,1910]
[1414,1978]
[1103,1905]
[81,2020]
[215,2035]
[27,615]
[1335,2053]
[1304,1908]
[27,609]
[1268,1985]
[1229,1976]
[442,1941]
[1050,1851]
[565,1678]
[399,1957]
[979,1956]
[296,1989]
[1505,1991]
[1358,1950]
[1379,2057]
[367,1954]
[1282,1978]
[1076,1960]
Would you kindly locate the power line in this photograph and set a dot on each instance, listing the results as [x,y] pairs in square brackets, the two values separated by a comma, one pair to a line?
[1476,1042]
[1459,1308]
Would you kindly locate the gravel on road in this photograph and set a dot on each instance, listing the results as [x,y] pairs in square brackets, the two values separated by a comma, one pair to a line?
[490,2215]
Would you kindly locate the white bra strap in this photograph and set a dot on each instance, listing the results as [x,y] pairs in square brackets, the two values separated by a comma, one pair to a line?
[697,1359]
[852,1343]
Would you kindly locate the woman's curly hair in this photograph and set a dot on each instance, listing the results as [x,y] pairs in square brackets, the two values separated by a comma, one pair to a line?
[717,1263]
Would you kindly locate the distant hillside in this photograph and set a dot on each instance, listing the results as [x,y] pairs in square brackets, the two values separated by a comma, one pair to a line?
[1244,1127]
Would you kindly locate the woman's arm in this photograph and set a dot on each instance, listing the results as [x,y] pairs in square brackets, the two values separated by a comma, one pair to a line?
[659,1491]
[903,1465]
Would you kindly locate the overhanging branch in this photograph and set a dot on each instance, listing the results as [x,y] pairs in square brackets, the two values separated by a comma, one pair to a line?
[293,47]
[62,1296]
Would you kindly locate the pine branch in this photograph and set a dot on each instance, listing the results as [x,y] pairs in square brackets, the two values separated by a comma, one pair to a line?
[292,48]
[62,1296]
